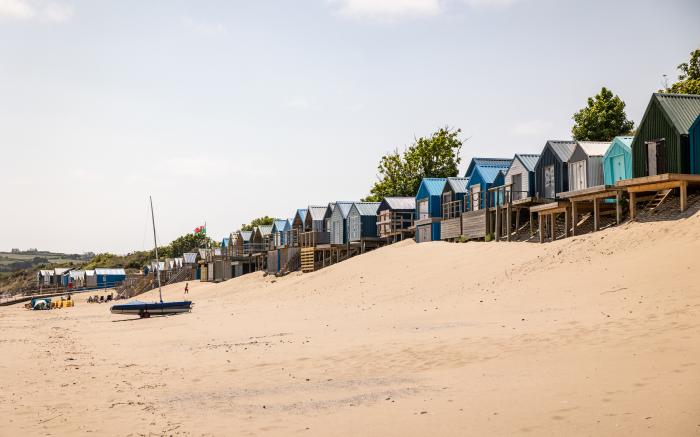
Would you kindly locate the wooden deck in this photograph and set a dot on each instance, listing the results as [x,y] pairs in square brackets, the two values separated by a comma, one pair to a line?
[581,198]
[656,183]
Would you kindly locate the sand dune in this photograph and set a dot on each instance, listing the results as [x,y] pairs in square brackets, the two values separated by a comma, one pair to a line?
[592,335]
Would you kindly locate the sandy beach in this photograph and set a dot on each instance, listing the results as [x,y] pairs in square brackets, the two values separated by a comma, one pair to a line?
[593,335]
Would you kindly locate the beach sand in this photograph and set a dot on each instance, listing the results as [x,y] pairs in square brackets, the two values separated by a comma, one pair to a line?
[594,335]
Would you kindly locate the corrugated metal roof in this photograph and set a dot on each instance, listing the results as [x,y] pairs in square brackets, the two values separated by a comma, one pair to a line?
[681,109]
[489,174]
[190,257]
[89,273]
[627,141]
[563,149]
[401,202]
[280,225]
[265,229]
[367,208]
[529,160]
[489,162]
[224,242]
[458,185]
[344,207]
[60,271]
[594,148]
[302,214]
[434,186]
[110,271]
[246,235]
[317,212]
[77,273]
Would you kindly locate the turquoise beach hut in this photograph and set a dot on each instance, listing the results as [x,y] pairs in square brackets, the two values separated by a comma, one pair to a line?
[617,161]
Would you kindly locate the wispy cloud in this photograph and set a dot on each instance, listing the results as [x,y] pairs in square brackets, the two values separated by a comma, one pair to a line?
[204,28]
[297,103]
[387,9]
[39,10]
[531,128]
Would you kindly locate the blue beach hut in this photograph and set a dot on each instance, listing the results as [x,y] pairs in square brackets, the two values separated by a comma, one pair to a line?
[429,209]
[484,173]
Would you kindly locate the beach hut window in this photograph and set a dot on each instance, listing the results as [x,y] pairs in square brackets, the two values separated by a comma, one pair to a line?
[517,181]
[549,182]
[475,197]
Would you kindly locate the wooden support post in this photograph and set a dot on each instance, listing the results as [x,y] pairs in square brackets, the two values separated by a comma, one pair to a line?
[554,227]
[532,223]
[618,207]
[517,218]
[684,195]
[566,222]
[498,220]
[541,226]
[574,218]
[596,215]
[633,206]
[509,221]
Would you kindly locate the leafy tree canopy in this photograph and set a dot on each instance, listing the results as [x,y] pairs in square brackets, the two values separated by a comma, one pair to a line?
[257,222]
[689,78]
[436,156]
[602,119]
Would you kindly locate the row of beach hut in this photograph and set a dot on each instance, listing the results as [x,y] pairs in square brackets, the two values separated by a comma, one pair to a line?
[497,198]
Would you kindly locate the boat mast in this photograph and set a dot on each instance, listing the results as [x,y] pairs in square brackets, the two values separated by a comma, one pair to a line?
[155,243]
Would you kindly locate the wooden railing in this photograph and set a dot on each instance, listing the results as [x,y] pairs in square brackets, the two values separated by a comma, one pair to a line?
[314,238]
[392,222]
[451,209]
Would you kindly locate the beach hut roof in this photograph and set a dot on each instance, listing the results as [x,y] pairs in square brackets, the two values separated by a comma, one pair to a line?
[367,208]
[563,149]
[681,110]
[317,212]
[245,235]
[528,160]
[431,187]
[407,203]
[100,271]
[280,225]
[594,148]
[457,184]
[190,257]
[301,212]
[60,271]
[224,242]
[344,207]
[489,174]
[89,273]
[487,162]
[265,230]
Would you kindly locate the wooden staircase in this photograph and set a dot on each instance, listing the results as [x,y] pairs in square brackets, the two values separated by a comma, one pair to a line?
[657,200]
[307,259]
[291,266]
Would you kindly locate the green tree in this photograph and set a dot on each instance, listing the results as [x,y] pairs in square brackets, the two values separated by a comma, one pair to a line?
[257,222]
[689,79]
[188,243]
[436,156]
[602,119]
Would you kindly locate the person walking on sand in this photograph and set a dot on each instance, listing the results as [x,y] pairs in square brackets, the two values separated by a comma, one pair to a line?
[187,288]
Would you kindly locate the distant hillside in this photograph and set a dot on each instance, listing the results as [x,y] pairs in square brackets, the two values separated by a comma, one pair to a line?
[20,260]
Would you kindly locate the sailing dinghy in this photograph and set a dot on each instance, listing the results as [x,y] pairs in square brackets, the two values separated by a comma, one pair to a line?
[147,309]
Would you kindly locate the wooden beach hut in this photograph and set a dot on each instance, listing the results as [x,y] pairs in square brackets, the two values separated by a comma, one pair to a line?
[362,225]
[484,173]
[586,165]
[617,161]
[339,222]
[266,234]
[661,143]
[315,230]
[694,134]
[552,169]
[521,176]
[279,229]
[428,212]
[395,218]
[453,195]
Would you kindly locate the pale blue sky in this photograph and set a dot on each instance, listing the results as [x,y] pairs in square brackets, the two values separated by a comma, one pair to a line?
[228,110]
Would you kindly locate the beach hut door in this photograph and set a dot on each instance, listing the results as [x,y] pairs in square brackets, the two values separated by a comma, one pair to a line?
[578,175]
[476,197]
[656,157]
[618,167]
[517,180]
[549,182]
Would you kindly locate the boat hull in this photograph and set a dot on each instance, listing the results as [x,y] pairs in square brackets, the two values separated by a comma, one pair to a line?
[152,308]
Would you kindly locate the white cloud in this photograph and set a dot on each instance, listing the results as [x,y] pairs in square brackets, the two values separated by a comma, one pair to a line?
[204,28]
[297,103]
[39,10]
[531,128]
[388,9]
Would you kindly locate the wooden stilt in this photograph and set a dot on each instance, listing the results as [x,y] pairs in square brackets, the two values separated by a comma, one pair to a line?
[566,222]
[540,225]
[554,227]
[596,215]
[509,221]
[498,221]
[574,218]
[684,195]
[532,223]
[618,207]
[633,206]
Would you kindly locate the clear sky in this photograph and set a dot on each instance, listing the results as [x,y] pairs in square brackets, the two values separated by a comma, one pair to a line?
[228,110]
